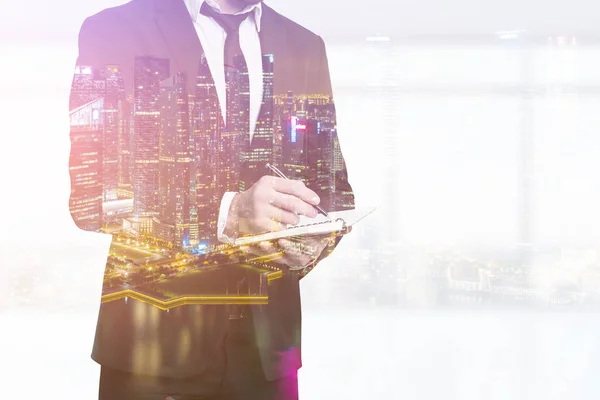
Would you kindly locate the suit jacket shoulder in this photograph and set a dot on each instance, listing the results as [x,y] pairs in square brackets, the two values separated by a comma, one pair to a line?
[301,53]
[116,35]
[294,30]
[116,18]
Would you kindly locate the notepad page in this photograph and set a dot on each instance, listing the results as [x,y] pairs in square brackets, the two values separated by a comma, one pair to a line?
[321,224]
[312,228]
[350,217]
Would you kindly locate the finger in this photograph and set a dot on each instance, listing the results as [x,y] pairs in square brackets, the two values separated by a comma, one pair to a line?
[265,248]
[289,246]
[266,224]
[280,256]
[292,203]
[291,257]
[298,250]
[298,189]
[284,216]
[291,260]
[310,243]
[254,250]
[316,247]
[268,247]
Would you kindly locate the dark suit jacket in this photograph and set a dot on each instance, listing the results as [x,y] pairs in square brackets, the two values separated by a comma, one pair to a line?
[181,342]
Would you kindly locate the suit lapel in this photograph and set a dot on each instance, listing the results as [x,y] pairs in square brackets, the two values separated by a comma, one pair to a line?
[177,29]
[187,55]
[272,33]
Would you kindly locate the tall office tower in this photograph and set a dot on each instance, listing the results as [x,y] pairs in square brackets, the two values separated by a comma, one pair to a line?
[301,106]
[193,218]
[302,144]
[282,111]
[148,73]
[295,154]
[329,165]
[278,120]
[125,146]
[290,106]
[88,85]
[113,96]
[343,200]
[320,160]
[174,163]
[206,136]
[85,164]
[237,126]
[311,148]
[259,151]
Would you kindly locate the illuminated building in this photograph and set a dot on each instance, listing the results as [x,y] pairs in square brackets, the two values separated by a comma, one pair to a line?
[148,73]
[234,135]
[114,92]
[321,161]
[138,226]
[107,83]
[295,154]
[85,165]
[87,86]
[310,148]
[206,130]
[124,188]
[283,110]
[174,162]
[259,152]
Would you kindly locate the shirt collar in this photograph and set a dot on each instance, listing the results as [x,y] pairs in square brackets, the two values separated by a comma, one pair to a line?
[193,7]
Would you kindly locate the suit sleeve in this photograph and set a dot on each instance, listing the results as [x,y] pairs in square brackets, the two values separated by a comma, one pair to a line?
[85,199]
[105,41]
[342,196]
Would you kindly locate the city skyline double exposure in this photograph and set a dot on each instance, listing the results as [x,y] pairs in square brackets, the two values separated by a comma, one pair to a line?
[432,128]
[150,163]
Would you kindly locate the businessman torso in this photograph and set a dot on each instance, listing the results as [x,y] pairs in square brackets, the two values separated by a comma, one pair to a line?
[148,41]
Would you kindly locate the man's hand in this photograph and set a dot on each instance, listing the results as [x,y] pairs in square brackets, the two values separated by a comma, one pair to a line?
[269,205]
[293,253]
[299,254]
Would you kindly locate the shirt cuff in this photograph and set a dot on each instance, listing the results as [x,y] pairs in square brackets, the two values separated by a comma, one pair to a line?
[223,213]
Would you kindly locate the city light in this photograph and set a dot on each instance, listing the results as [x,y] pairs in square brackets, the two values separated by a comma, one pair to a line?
[130,195]
[509,35]
[293,127]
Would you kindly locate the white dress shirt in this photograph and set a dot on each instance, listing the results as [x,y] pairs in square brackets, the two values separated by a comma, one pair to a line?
[212,38]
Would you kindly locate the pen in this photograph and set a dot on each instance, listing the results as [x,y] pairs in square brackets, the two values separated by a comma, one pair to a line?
[281,175]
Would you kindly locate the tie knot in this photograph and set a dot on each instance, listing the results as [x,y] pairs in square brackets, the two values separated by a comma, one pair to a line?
[229,22]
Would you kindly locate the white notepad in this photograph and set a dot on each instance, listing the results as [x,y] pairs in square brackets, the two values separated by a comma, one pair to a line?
[339,223]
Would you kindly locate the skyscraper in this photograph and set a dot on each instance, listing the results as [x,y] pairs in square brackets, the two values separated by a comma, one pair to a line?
[125,146]
[85,165]
[87,85]
[207,125]
[148,74]
[234,135]
[113,96]
[295,148]
[174,162]
[259,151]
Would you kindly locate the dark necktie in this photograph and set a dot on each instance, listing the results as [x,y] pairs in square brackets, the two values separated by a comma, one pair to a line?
[238,111]
[236,70]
